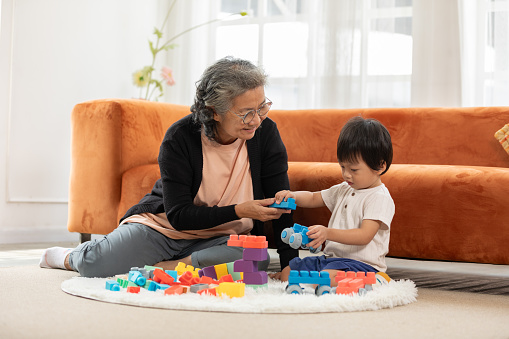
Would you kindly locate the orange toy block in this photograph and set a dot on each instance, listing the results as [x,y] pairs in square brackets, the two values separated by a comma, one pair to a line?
[207,280]
[187,278]
[236,240]
[226,278]
[133,289]
[176,289]
[209,291]
[253,241]
[162,277]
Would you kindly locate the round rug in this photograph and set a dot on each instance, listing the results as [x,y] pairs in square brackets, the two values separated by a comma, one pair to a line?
[272,299]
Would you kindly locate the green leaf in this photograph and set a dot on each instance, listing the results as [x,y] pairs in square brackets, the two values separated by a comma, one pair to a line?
[158,33]
[151,45]
[170,46]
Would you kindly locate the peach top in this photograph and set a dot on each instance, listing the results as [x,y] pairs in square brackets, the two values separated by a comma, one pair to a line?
[226,180]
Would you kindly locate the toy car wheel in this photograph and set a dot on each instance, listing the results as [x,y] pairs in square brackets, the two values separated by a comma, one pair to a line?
[333,290]
[296,240]
[286,234]
[314,250]
[293,289]
[321,290]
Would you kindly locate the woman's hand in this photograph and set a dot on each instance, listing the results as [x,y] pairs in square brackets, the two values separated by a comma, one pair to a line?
[319,234]
[258,210]
[283,196]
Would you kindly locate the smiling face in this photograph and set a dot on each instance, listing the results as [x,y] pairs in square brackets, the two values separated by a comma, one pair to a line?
[230,127]
[359,175]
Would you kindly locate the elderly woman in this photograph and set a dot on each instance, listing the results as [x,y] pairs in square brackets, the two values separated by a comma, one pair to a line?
[220,169]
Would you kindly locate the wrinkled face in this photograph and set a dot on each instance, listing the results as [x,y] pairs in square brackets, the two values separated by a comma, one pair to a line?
[359,175]
[230,126]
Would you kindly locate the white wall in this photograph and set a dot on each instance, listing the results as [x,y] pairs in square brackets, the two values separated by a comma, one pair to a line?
[54,54]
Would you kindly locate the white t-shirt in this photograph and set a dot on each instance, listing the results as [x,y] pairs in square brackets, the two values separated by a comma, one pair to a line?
[349,208]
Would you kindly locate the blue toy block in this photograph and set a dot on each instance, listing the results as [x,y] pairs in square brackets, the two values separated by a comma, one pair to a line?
[309,277]
[137,278]
[112,285]
[296,237]
[289,204]
[172,274]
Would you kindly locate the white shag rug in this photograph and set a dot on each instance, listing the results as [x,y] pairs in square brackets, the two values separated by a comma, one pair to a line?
[272,299]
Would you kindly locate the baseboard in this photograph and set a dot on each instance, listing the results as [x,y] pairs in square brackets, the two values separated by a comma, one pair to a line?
[37,235]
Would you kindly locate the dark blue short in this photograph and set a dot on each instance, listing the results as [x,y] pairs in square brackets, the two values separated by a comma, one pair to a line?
[320,263]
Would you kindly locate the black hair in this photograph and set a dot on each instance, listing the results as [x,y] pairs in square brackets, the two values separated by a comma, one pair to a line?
[367,139]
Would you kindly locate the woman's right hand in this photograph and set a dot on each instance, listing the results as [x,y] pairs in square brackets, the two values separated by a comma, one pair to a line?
[258,210]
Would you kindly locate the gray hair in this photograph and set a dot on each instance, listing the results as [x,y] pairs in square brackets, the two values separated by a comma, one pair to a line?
[219,85]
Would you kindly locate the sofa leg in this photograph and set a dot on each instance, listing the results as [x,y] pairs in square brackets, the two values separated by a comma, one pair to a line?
[85,237]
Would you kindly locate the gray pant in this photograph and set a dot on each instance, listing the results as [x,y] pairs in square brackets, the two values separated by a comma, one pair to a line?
[137,245]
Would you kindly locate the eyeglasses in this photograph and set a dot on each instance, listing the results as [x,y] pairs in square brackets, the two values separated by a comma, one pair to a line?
[249,116]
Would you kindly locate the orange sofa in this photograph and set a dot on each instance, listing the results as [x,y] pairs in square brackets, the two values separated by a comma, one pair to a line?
[449,178]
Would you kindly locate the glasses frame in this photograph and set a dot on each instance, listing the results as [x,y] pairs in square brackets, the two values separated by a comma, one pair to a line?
[256,111]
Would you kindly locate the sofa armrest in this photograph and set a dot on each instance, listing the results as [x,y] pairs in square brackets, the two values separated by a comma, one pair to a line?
[110,137]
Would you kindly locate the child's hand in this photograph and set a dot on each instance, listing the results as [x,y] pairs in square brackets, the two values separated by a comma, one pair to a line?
[283,196]
[275,276]
[319,234]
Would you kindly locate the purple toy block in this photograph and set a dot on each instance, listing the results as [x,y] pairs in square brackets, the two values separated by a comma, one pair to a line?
[255,278]
[254,254]
[210,272]
[245,266]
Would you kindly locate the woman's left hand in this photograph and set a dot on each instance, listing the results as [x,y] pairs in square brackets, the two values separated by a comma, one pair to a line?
[258,210]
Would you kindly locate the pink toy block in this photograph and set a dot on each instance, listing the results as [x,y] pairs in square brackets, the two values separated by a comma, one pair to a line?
[245,266]
[255,278]
[254,254]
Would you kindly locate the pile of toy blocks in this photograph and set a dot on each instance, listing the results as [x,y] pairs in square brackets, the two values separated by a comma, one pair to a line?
[354,282]
[227,279]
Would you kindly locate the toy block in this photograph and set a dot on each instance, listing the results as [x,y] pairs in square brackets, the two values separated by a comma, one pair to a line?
[236,240]
[181,268]
[153,286]
[198,287]
[112,285]
[370,278]
[350,274]
[122,282]
[253,241]
[256,278]
[231,270]
[225,278]
[231,289]
[151,268]
[172,274]
[208,291]
[289,204]
[137,278]
[221,270]
[245,266]
[258,286]
[161,276]
[309,277]
[254,254]
[207,280]
[142,270]
[209,271]
[177,289]
[130,283]
[147,284]
[133,289]
[188,279]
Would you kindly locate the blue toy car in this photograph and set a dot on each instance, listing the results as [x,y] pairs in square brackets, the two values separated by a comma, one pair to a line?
[296,237]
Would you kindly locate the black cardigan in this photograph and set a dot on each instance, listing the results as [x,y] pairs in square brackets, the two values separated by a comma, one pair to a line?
[181,163]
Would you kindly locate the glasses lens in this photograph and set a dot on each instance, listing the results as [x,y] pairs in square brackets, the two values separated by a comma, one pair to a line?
[265,109]
[248,117]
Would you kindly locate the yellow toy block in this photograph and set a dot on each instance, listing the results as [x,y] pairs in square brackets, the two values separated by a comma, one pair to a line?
[221,270]
[181,268]
[231,289]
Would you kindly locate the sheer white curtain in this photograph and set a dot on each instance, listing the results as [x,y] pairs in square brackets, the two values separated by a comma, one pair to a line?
[353,53]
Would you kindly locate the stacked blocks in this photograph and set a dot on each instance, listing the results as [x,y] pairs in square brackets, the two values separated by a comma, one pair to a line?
[322,279]
[289,204]
[255,250]
[354,283]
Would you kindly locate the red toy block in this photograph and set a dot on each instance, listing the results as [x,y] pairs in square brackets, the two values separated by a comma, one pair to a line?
[207,280]
[133,289]
[209,291]
[188,279]
[236,240]
[176,289]
[253,241]
[163,278]
[370,278]
[226,278]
